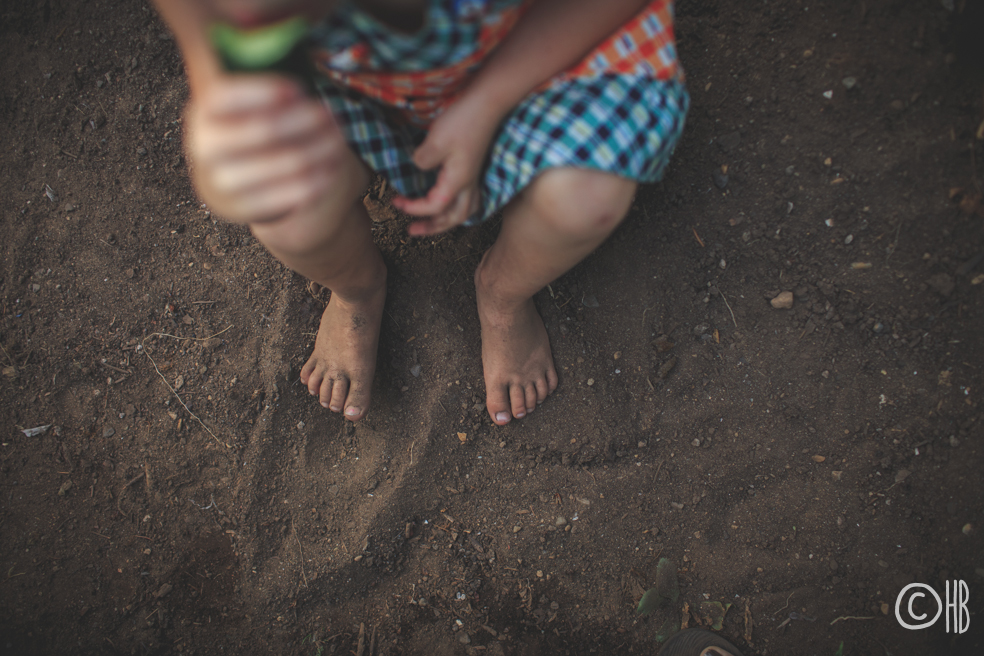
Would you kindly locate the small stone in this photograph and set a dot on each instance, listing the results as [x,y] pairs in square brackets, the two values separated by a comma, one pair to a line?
[590,382]
[677,506]
[832,564]
[641,444]
[901,475]
[517,529]
[848,239]
[464,638]
[179,383]
[819,458]
[836,475]
[967,529]
[783,301]
[883,564]
[415,371]
[849,82]
[65,487]
[954,442]
[300,425]
[539,573]
[720,179]
[164,590]
[665,369]
[560,521]
[109,431]
[696,441]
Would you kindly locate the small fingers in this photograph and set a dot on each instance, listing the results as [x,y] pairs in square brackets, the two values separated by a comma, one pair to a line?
[244,174]
[455,215]
[224,140]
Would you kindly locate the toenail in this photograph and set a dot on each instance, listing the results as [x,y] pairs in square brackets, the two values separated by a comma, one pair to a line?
[352,412]
[324,405]
[502,416]
[335,408]
[520,415]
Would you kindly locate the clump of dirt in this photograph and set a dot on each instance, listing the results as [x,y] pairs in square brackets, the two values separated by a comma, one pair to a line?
[803,463]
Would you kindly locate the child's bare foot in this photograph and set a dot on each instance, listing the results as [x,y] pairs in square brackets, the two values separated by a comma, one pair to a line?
[519,368]
[341,368]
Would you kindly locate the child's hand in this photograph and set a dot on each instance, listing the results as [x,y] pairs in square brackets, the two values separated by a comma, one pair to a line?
[457,142]
[259,147]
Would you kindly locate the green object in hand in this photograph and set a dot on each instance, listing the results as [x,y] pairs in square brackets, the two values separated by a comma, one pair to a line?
[279,48]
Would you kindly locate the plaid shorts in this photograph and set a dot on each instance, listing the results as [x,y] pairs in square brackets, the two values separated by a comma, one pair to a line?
[620,110]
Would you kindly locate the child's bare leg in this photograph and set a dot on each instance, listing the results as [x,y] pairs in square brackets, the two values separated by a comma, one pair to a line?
[554,224]
[332,245]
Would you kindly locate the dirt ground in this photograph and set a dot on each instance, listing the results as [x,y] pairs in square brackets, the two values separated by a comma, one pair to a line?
[803,464]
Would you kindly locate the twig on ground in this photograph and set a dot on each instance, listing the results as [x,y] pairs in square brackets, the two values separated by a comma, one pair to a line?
[188,339]
[725,299]
[787,604]
[187,409]
[699,240]
[851,617]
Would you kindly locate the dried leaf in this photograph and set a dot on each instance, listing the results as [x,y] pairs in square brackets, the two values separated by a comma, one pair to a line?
[712,614]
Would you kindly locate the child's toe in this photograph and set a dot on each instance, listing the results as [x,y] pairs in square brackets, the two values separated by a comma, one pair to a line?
[542,391]
[314,382]
[339,392]
[530,397]
[357,402]
[517,399]
[497,403]
[324,391]
[307,370]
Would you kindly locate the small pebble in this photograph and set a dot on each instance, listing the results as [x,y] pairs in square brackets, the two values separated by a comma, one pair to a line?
[109,431]
[783,301]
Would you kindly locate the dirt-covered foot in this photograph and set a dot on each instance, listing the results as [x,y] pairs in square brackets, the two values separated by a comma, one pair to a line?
[341,368]
[519,368]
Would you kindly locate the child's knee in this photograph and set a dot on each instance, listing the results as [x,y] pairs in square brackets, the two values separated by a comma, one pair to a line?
[309,229]
[583,204]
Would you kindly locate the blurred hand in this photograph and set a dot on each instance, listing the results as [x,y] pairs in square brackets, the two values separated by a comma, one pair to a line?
[259,147]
